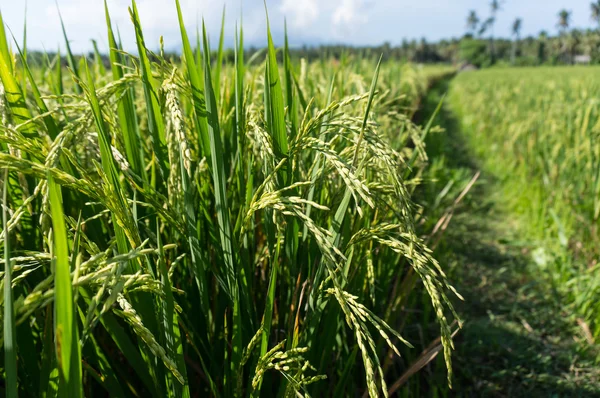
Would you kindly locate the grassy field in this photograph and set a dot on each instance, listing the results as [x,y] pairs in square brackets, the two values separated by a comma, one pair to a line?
[538,131]
[184,227]
[521,335]
[522,244]
[187,226]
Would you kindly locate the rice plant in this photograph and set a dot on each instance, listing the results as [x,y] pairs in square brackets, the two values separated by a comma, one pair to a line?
[187,227]
[541,138]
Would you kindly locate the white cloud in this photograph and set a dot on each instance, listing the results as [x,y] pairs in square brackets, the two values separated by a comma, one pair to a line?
[360,22]
[348,14]
[84,20]
[303,13]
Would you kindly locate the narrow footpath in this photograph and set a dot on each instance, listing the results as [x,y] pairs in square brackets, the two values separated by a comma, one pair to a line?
[517,340]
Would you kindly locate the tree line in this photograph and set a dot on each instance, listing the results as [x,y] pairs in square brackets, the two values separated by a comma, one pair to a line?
[478,46]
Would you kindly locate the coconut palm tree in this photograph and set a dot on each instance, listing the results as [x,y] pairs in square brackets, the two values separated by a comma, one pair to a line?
[494,8]
[485,26]
[564,20]
[516,27]
[516,31]
[473,21]
[595,6]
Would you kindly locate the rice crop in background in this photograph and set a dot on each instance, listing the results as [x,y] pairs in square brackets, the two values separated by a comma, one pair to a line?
[541,138]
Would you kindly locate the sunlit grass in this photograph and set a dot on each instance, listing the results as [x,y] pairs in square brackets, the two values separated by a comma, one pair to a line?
[537,130]
[227,230]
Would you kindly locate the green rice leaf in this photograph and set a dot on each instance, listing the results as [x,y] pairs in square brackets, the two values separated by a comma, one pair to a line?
[195,80]
[43,109]
[171,325]
[134,148]
[14,95]
[219,65]
[221,205]
[68,351]
[276,121]
[70,57]
[10,342]
[155,120]
[98,59]
[4,49]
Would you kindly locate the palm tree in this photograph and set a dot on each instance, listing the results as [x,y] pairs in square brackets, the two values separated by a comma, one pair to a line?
[473,21]
[596,11]
[564,19]
[484,26]
[516,27]
[495,7]
[516,31]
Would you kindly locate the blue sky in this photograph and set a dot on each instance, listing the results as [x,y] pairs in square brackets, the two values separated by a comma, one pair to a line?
[359,22]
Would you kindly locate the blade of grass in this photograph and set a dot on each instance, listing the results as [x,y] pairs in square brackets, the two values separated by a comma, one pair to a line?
[108,162]
[318,169]
[155,120]
[128,121]
[275,117]
[198,257]
[43,109]
[98,59]
[104,373]
[171,325]
[144,307]
[426,130]
[70,57]
[14,95]
[273,246]
[293,230]
[222,208]
[276,122]
[24,82]
[218,171]
[240,116]
[291,100]
[195,80]
[126,346]
[4,49]
[10,342]
[219,65]
[199,56]
[68,351]
[48,359]
[60,90]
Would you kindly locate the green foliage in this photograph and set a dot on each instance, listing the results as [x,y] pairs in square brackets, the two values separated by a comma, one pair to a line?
[168,218]
[66,334]
[474,52]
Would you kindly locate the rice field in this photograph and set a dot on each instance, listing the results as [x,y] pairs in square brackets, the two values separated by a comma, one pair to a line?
[188,227]
[537,130]
[231,222]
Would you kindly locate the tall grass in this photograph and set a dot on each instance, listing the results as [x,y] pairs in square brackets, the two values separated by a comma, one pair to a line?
[188,227]
[540,137]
